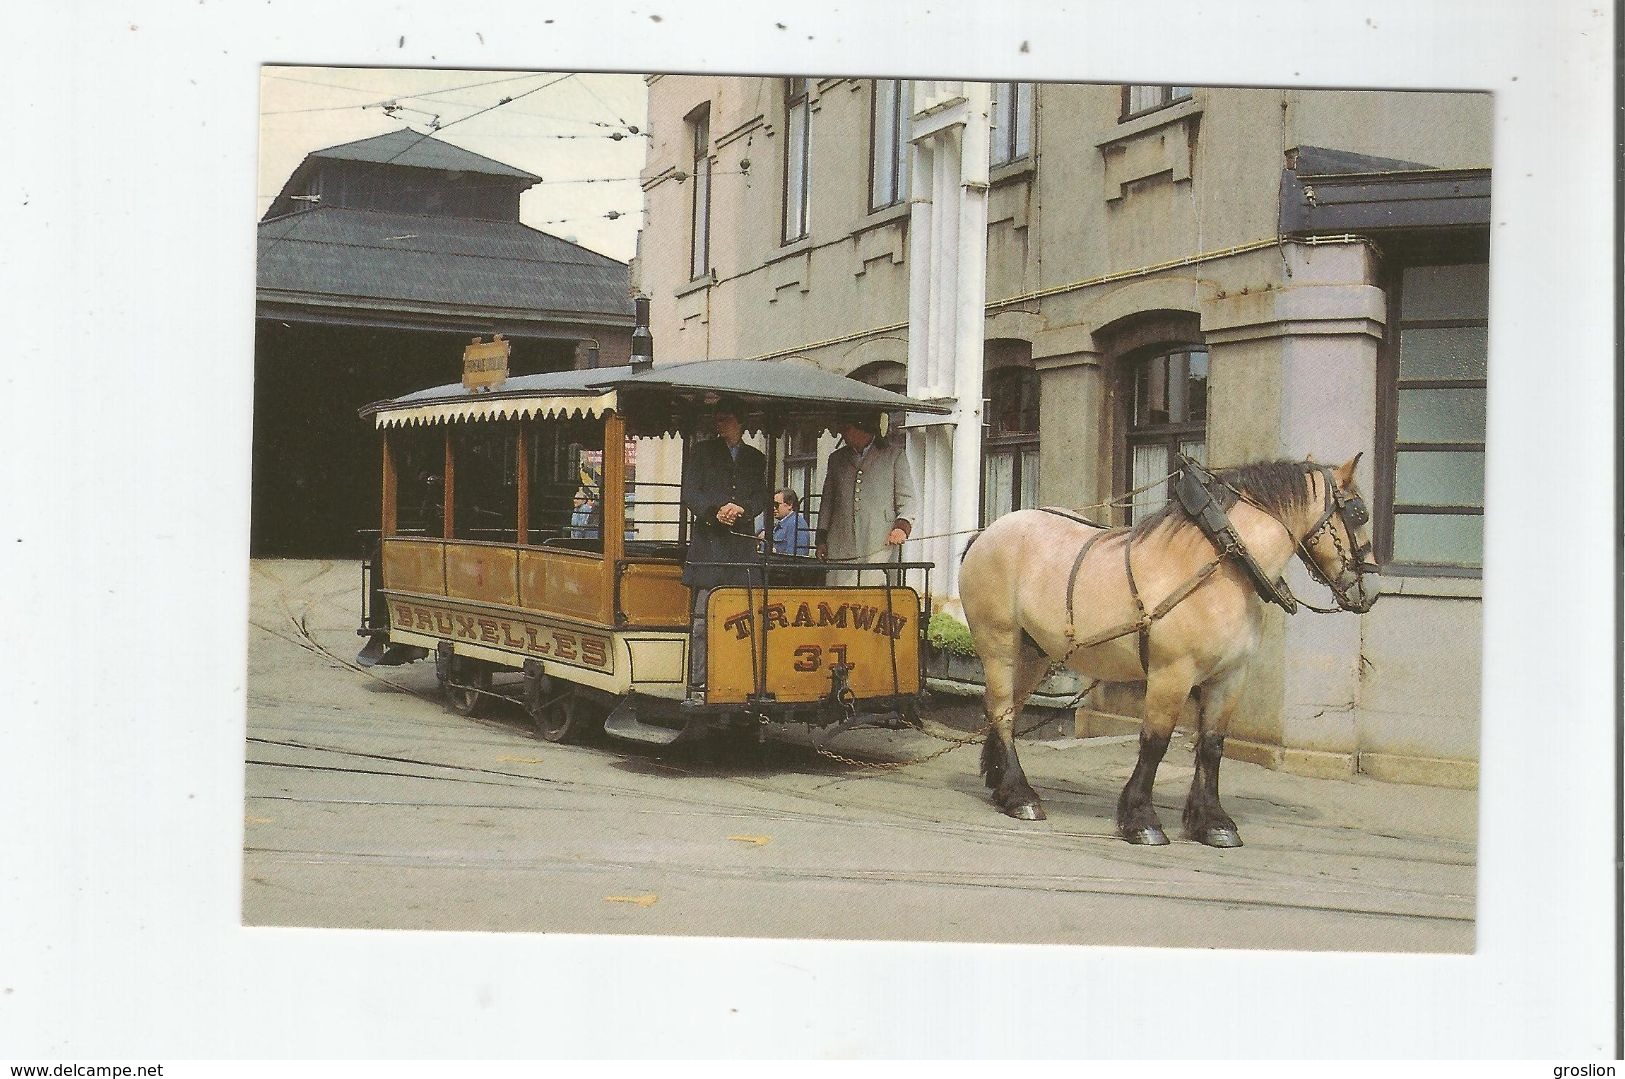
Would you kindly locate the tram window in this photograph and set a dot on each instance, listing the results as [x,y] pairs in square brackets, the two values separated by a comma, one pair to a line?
[565,459]
[485,488]
[420,494]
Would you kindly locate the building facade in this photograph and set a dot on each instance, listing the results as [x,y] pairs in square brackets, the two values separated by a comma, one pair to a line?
[1235,274]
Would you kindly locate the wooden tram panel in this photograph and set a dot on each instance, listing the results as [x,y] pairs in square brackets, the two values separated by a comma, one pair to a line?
[482,572]
[807,632]
[652,594]
[563,582]
[415,565]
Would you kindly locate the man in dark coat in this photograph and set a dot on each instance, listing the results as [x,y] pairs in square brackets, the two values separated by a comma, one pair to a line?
[724,490]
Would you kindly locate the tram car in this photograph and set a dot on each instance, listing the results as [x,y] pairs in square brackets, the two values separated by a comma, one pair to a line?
[520,550]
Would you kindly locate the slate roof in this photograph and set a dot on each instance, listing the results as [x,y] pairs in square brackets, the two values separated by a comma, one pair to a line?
[409,149]
[443,264]
[1327,161]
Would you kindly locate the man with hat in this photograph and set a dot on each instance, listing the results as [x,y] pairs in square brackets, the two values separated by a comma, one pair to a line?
[724,491]
[867,508]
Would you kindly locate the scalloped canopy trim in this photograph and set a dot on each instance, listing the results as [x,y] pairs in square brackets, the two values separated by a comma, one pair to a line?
[499,408]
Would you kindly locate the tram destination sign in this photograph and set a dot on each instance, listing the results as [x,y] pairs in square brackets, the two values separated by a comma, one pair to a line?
[803,633]
[485,363]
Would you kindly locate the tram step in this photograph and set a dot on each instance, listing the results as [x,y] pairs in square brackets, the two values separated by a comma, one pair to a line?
[623,722]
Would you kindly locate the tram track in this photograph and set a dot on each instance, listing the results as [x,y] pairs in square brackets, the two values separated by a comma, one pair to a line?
[1093,884]
[874,813]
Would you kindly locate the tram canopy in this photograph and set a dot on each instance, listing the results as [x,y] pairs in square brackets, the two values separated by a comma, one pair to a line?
[657,400]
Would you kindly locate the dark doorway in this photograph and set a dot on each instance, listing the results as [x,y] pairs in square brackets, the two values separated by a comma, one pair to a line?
[315,461]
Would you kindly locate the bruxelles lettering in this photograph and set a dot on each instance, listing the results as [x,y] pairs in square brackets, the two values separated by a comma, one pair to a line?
[859,617]
[564,645]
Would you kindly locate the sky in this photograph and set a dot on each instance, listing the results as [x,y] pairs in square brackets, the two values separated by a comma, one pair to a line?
[557,125]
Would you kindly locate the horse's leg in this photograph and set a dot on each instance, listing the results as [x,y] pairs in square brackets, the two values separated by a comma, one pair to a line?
[1204,818]
[1009,684]
[1165,693]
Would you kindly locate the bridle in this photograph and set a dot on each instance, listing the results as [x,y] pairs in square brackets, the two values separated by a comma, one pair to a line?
[1351,509]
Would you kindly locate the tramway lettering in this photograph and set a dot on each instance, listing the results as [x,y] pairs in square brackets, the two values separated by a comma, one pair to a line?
[863,617]
[566,646]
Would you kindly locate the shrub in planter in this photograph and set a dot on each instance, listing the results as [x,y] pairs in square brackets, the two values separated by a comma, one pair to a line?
[946,633]
[952,655]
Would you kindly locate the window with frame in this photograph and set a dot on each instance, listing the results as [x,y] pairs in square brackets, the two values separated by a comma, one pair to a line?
[565,458]
[485,487]
[1167,416]
[1433,386]
[797,157]
[1012,135]
[1010,442]
[1138,99]
[699,251]
[888,143]
[801,468]
[420,464]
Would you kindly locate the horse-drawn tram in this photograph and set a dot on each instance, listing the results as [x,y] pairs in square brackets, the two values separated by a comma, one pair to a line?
[521,549]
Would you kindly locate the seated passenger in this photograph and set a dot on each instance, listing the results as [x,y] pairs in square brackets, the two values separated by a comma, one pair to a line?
[586,518]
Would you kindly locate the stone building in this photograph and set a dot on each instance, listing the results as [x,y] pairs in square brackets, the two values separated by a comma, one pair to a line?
[378,261]
[1237,274]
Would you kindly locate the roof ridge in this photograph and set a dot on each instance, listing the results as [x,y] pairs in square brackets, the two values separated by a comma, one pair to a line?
[502,168]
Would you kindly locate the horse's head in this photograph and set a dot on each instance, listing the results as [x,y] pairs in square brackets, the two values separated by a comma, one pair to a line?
[1338,548]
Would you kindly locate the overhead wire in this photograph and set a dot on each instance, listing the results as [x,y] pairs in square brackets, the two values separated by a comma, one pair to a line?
[489,108]
[612,111]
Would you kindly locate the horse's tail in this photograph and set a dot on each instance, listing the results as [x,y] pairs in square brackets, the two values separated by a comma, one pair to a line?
[968,542]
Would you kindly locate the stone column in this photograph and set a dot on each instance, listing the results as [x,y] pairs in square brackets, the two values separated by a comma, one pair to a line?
[1293,374]
[947,303]
[1074,453]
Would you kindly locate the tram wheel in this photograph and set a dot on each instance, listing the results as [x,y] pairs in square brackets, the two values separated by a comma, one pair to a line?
[468,690]
[559,719]
[553,706]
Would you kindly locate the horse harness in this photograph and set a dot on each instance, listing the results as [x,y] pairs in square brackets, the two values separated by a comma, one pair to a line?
[1194,490]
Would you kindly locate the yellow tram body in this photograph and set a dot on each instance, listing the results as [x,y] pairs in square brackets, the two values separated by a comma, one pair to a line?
[608,619]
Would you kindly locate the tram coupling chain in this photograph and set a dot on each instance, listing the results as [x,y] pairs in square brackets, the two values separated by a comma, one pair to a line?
[841,694]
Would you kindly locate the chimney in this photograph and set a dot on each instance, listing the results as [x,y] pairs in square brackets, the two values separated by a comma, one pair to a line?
[643,342]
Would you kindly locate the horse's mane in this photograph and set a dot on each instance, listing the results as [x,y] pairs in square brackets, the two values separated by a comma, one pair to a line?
[1278,486]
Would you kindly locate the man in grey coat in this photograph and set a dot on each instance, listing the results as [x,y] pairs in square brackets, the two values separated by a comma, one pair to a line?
[867,508]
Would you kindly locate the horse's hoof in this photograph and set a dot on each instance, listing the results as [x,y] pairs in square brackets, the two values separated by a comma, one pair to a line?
[1026,811]
[1146,837]
[1218,837]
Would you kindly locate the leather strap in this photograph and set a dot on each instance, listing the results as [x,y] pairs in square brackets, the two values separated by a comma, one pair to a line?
[1072,581]
[1195,496]
[1134,590]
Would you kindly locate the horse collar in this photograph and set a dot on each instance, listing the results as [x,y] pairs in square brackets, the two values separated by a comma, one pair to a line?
[1195,493]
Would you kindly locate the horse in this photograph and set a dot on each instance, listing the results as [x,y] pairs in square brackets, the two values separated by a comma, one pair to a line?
[1176,600]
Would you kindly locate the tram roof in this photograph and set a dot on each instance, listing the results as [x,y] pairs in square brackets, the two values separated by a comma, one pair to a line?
[659,396]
